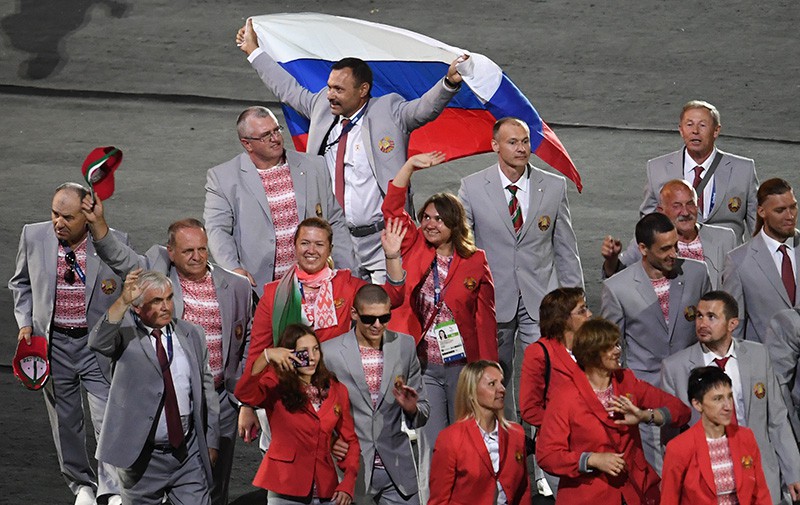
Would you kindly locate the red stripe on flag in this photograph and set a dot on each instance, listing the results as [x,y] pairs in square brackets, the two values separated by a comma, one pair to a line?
[552,152]
[456,132]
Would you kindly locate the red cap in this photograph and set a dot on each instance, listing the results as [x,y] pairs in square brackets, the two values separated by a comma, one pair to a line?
[98,170]
[30,363]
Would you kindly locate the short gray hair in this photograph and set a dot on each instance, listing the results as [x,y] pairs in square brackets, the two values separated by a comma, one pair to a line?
[150,280]
[702,104]
[72,187]
[254,111]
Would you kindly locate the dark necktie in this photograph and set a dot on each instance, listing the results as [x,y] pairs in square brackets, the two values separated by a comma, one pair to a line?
[514,209]
[787,274]
[698,170]
[339,167]
[721,362]
[171,411]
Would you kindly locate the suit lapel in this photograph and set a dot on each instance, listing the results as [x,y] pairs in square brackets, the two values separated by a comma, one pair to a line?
[763,257]
[535,197]
[479,446]
[390,355]
[92,268]
[148,348]
[703,456]
[674,165]
[299,183]
[225,301]
[676,286]
[177,292]
[352,358]
[645,289]
[722,178]
[745,377]
[50,262]
[496,196]
[366,140]
[252,183]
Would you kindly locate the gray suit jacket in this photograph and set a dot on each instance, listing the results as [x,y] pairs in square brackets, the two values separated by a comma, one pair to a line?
[233,295]
[135,398]
[629,301]
[378,428]
[542,257]
[241,233]
[766,416]
[751,277]
[717,242]
[783,342]
[735,183]
[387,117]
[34,282]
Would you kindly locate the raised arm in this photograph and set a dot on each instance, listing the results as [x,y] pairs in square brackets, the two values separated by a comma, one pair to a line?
[120,257]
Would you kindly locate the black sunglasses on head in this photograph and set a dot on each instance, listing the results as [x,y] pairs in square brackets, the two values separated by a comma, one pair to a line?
[370,320]
[69,275]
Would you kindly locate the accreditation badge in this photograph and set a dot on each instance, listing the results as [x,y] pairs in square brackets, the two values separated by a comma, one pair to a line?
[451,345]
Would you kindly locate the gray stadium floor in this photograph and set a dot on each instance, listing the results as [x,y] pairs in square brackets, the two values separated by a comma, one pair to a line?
[164,82]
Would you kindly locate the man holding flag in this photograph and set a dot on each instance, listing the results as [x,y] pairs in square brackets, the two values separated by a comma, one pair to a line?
[363,139]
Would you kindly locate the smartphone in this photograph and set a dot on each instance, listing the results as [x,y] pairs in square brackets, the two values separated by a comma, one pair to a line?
[302,356]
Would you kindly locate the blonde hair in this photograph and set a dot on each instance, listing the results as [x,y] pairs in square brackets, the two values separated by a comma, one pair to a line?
[467,391]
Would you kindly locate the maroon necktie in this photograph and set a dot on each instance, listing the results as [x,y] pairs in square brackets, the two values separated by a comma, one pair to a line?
[698,170]
[514,209]
[721,362]
[174,425]
[787,274]
[339,167]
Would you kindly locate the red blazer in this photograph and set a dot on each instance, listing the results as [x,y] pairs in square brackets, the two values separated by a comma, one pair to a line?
[345,286]
[576,423]
[468,288]
[531,386]
[688,479]
[302,440]
[461,470]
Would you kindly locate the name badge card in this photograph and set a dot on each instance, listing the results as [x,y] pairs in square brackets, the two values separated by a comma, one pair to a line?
[451,345]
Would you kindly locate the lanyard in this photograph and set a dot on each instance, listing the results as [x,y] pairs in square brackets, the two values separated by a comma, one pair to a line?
[168,332]
[437,289]
[346,128]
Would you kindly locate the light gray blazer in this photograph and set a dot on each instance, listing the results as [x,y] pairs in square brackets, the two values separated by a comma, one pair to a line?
[717,242]
[241,233]
[388,117]
[783,342]
[735,183]
[135,397]
[751,277]
[34,282]
[629,301]
[542,257]
[766,416]
[233,295]
[378,428]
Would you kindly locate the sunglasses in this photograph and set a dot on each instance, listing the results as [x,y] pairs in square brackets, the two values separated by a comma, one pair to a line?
[71,260]
[370,320]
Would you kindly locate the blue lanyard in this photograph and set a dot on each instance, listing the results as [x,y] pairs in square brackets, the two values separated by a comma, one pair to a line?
[437,290]
[169,343]
[349,126]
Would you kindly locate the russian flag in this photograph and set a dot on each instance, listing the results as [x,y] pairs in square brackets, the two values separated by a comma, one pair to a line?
[407,63]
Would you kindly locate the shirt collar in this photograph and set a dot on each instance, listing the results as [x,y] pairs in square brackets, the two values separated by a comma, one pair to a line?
[709,356]
[523,183]
[773,244]
[689,163]
[492,434]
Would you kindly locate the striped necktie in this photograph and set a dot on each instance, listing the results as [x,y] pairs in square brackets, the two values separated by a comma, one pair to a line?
[514,209]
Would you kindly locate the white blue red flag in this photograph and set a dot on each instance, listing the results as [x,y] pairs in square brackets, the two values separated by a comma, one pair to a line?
[407,63]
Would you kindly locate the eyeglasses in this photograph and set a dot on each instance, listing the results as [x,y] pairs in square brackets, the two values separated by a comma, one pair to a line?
[277,132]
[370,320]
[70,260]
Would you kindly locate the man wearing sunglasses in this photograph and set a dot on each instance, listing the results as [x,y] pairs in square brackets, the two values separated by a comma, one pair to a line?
[255,201]
[382,374]
[61,288]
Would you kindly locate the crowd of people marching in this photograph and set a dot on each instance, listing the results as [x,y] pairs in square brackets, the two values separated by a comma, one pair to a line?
[342,325]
